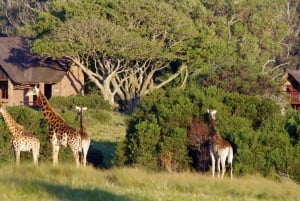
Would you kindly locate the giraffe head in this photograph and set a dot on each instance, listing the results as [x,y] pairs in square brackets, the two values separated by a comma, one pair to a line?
[211,114]
[80,109]
[34,91]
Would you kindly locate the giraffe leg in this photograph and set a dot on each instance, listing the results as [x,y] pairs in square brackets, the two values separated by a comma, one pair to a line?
[76,153]
[17,153]
[223,160]
[36,153]
[230,170]
[76,156]
[218,166]
[84,158]
[230,159]
[85,148]
[55,151]
[212,164]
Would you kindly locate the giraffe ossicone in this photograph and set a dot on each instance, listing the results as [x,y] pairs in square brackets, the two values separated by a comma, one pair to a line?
[219,148]
[21,140]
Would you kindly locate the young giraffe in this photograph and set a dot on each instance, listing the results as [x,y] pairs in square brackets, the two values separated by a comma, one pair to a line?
[85,138]
[219,148]
[59,132]
[21,141]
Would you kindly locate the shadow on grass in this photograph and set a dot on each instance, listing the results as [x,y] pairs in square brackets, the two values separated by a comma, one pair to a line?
[101,154]
[66,193]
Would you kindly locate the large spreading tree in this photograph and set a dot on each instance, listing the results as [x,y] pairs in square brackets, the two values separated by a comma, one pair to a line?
[130,48]
[127,49]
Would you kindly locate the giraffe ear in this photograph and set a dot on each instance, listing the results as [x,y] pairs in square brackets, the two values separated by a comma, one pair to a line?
[84,108]
[207,110]
[214,112]
[77,108]
[36,89]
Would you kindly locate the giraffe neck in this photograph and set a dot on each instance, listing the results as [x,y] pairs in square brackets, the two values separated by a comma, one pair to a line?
[212,128]
[215,139]
[51,116]
[13,126]
[81,120]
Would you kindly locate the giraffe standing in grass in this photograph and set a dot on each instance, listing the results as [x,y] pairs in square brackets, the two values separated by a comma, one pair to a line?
[21,140]
[59,132]
[219,148]
[85,138]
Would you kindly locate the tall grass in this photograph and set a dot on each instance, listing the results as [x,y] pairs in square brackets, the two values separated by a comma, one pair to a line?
[65,182]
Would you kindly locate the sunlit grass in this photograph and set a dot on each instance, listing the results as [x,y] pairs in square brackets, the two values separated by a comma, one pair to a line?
[112,130]
[106,134]
[65,182]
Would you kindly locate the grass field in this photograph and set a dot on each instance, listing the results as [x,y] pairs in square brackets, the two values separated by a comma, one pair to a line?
[67,183]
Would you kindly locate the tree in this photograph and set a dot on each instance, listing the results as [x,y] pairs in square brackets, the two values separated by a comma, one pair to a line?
[15,14]
[122,50]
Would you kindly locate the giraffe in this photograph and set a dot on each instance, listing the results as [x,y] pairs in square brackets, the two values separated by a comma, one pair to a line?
[21,140]
[59,132]
[85,138]
[219,148]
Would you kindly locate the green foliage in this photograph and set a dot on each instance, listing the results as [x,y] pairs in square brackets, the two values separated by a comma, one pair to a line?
[237,46]
[262,138]
[95,104]
[92,101]
[158,126]
[241,79]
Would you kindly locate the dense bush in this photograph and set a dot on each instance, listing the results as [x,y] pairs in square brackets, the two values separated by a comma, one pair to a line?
[159,127]
[264,140]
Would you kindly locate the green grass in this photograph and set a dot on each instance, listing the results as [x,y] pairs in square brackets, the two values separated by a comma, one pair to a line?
[65,182]
[106,134]
[111,129]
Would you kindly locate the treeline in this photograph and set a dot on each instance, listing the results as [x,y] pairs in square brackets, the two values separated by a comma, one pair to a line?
[130,48]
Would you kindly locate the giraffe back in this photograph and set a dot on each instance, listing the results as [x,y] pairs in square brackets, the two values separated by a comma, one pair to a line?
[219,142]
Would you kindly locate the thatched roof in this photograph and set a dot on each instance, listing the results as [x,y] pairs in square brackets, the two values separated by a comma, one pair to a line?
[23,67]
[295,74]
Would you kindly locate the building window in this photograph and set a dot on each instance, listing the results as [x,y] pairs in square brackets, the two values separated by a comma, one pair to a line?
[3,89]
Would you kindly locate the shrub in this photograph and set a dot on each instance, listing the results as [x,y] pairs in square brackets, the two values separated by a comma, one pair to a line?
[171,126]
[158,127]
[198,144]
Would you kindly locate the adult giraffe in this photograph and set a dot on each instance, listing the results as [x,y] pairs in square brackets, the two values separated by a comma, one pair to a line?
[85,138]
[21,140]
[219,148]
[59,132]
